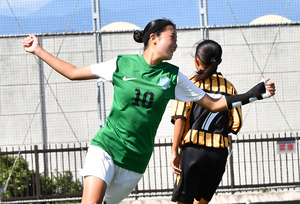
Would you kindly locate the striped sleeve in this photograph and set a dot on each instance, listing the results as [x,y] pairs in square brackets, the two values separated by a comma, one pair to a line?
[235,115]
[180,110]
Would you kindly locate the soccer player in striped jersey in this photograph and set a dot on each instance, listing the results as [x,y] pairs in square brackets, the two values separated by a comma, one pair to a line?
[143,84]
[202,135]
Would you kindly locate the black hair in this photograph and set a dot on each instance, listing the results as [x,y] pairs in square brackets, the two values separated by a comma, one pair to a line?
[156,26]
[209,53]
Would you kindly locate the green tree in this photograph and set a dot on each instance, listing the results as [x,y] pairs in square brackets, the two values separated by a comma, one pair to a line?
[20,177]
[23,180]
[65,183]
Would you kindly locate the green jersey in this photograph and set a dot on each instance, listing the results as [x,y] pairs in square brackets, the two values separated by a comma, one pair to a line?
[141,94]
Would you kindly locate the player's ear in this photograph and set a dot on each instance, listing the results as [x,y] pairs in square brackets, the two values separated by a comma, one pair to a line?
[197,62]
[220,61]
[153,38]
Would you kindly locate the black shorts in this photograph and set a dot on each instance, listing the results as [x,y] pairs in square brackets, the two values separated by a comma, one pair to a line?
[202,169]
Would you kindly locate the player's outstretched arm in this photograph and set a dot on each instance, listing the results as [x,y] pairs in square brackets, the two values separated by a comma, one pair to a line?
[31,45]
[260,91]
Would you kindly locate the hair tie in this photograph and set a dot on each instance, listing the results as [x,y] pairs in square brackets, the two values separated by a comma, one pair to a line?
[213,60]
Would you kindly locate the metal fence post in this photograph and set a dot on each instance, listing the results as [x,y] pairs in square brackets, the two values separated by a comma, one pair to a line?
[43,107]
[37,172]
[99,58]
[203,19]
[231,165]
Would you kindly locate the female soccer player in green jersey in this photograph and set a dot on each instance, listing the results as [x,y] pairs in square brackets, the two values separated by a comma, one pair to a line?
[143,85]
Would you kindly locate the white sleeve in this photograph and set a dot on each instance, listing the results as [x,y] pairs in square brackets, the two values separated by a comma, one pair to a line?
[186,91]
[105,70]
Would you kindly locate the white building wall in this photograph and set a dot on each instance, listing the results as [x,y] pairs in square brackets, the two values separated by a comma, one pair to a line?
[247,51]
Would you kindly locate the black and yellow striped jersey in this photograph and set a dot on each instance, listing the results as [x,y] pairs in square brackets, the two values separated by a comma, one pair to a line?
[202,126]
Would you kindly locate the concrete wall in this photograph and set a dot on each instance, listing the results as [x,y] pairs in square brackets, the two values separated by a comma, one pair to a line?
[71,107]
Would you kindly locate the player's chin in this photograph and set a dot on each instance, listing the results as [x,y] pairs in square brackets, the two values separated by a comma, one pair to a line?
[169,57]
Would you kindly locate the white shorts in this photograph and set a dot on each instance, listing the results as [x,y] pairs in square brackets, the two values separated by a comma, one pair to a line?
[120,182]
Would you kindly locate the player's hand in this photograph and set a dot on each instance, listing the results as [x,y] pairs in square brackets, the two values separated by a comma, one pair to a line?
[30,43]
[270,87]
[175,159]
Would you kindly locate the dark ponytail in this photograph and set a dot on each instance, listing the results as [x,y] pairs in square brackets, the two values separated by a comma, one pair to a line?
[209,53]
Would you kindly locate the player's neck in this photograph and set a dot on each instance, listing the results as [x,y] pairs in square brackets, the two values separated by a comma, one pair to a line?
[151,57]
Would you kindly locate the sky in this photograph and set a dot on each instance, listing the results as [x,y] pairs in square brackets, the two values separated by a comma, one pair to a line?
[44,16]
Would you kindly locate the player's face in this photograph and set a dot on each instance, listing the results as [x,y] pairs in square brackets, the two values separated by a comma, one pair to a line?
[166,44]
